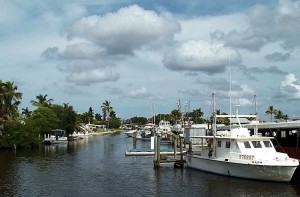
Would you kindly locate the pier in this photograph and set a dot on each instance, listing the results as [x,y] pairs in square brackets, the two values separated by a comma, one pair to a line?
[161,155]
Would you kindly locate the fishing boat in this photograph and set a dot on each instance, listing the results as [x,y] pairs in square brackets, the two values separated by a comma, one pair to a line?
[237,153]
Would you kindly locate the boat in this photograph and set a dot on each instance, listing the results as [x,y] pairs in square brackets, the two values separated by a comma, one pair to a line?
[130,133]
[286,135]
[237,153]
[56,138]
[164,129]
[52,139]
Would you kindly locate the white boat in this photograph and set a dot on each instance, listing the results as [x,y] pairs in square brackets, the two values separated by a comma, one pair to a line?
[236,153]
[58,136]
[164,128]
[130,133]
[52,139]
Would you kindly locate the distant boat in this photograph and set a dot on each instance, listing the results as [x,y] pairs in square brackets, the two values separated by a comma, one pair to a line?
[130,133]
[235,153]
[52,139]
[58,137]
[164,128]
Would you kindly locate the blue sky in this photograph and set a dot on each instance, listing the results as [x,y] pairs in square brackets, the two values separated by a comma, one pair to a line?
[135,53]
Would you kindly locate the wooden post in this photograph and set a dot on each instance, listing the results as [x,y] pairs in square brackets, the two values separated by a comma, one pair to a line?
[181,152]
[134,140]
[174,145]
[190,147]
[156,151]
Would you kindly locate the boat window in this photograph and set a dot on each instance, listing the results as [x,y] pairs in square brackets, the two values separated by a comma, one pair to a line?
[227,144]
[247,145]
[256,144]
[219,143]
[267,144]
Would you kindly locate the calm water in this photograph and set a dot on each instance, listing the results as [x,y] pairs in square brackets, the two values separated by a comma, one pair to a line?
[97,166]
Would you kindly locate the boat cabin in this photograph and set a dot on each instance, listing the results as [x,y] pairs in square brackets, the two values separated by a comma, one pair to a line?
[245,148]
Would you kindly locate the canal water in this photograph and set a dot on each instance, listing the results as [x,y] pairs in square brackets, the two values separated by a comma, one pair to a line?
[97,166]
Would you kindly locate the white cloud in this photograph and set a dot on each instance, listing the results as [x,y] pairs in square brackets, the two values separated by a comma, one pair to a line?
[82,51]
[268,25]
[290,87]
[92,76]
[126,30]
[140,93]
[201,56]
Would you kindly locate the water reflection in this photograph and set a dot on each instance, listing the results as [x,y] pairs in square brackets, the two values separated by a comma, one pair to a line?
[97,166]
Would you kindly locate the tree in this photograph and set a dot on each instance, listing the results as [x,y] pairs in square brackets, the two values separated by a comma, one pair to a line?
[106,109]
[45,120]
[91,114]
[18,135]
[176,114]
[138,120]
[26,112]
[98,117]
[197,115]
[114,122]
[41,101]
[67,117]
[271,111]
[9,100]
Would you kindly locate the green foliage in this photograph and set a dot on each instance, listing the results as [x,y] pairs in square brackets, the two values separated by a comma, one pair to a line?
[197,116]
[18,135]
[66,117]
[138,120]
[114,123]
[44,120]
[41,100]
[9,101]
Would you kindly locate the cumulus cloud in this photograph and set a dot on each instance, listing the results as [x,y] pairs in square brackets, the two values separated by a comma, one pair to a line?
[92,76]
[268,25]
[290,87]
[201,56]
[140,93]
[126,30]
[75,51]
[277,57]
[85,72]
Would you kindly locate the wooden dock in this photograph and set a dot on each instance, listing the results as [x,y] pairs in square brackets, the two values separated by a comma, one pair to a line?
[149,152]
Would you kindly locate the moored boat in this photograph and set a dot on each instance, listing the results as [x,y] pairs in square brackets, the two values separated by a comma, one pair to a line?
[130,133]
[236,153]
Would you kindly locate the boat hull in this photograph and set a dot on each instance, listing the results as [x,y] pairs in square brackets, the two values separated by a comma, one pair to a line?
[241,170]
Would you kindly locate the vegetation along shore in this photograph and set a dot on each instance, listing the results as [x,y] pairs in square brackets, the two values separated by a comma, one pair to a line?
[25,128]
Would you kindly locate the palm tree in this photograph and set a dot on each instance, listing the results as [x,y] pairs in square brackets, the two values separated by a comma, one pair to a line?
[41,101]
[197,115]
[106,109]
[9,100]
[26,112]
[278,115]
[271,111]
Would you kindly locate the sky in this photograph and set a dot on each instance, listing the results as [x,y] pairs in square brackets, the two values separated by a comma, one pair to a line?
[144,56]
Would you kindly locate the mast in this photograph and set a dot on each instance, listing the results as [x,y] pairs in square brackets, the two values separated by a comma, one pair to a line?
[255,104]
[230,112]
[214,126]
